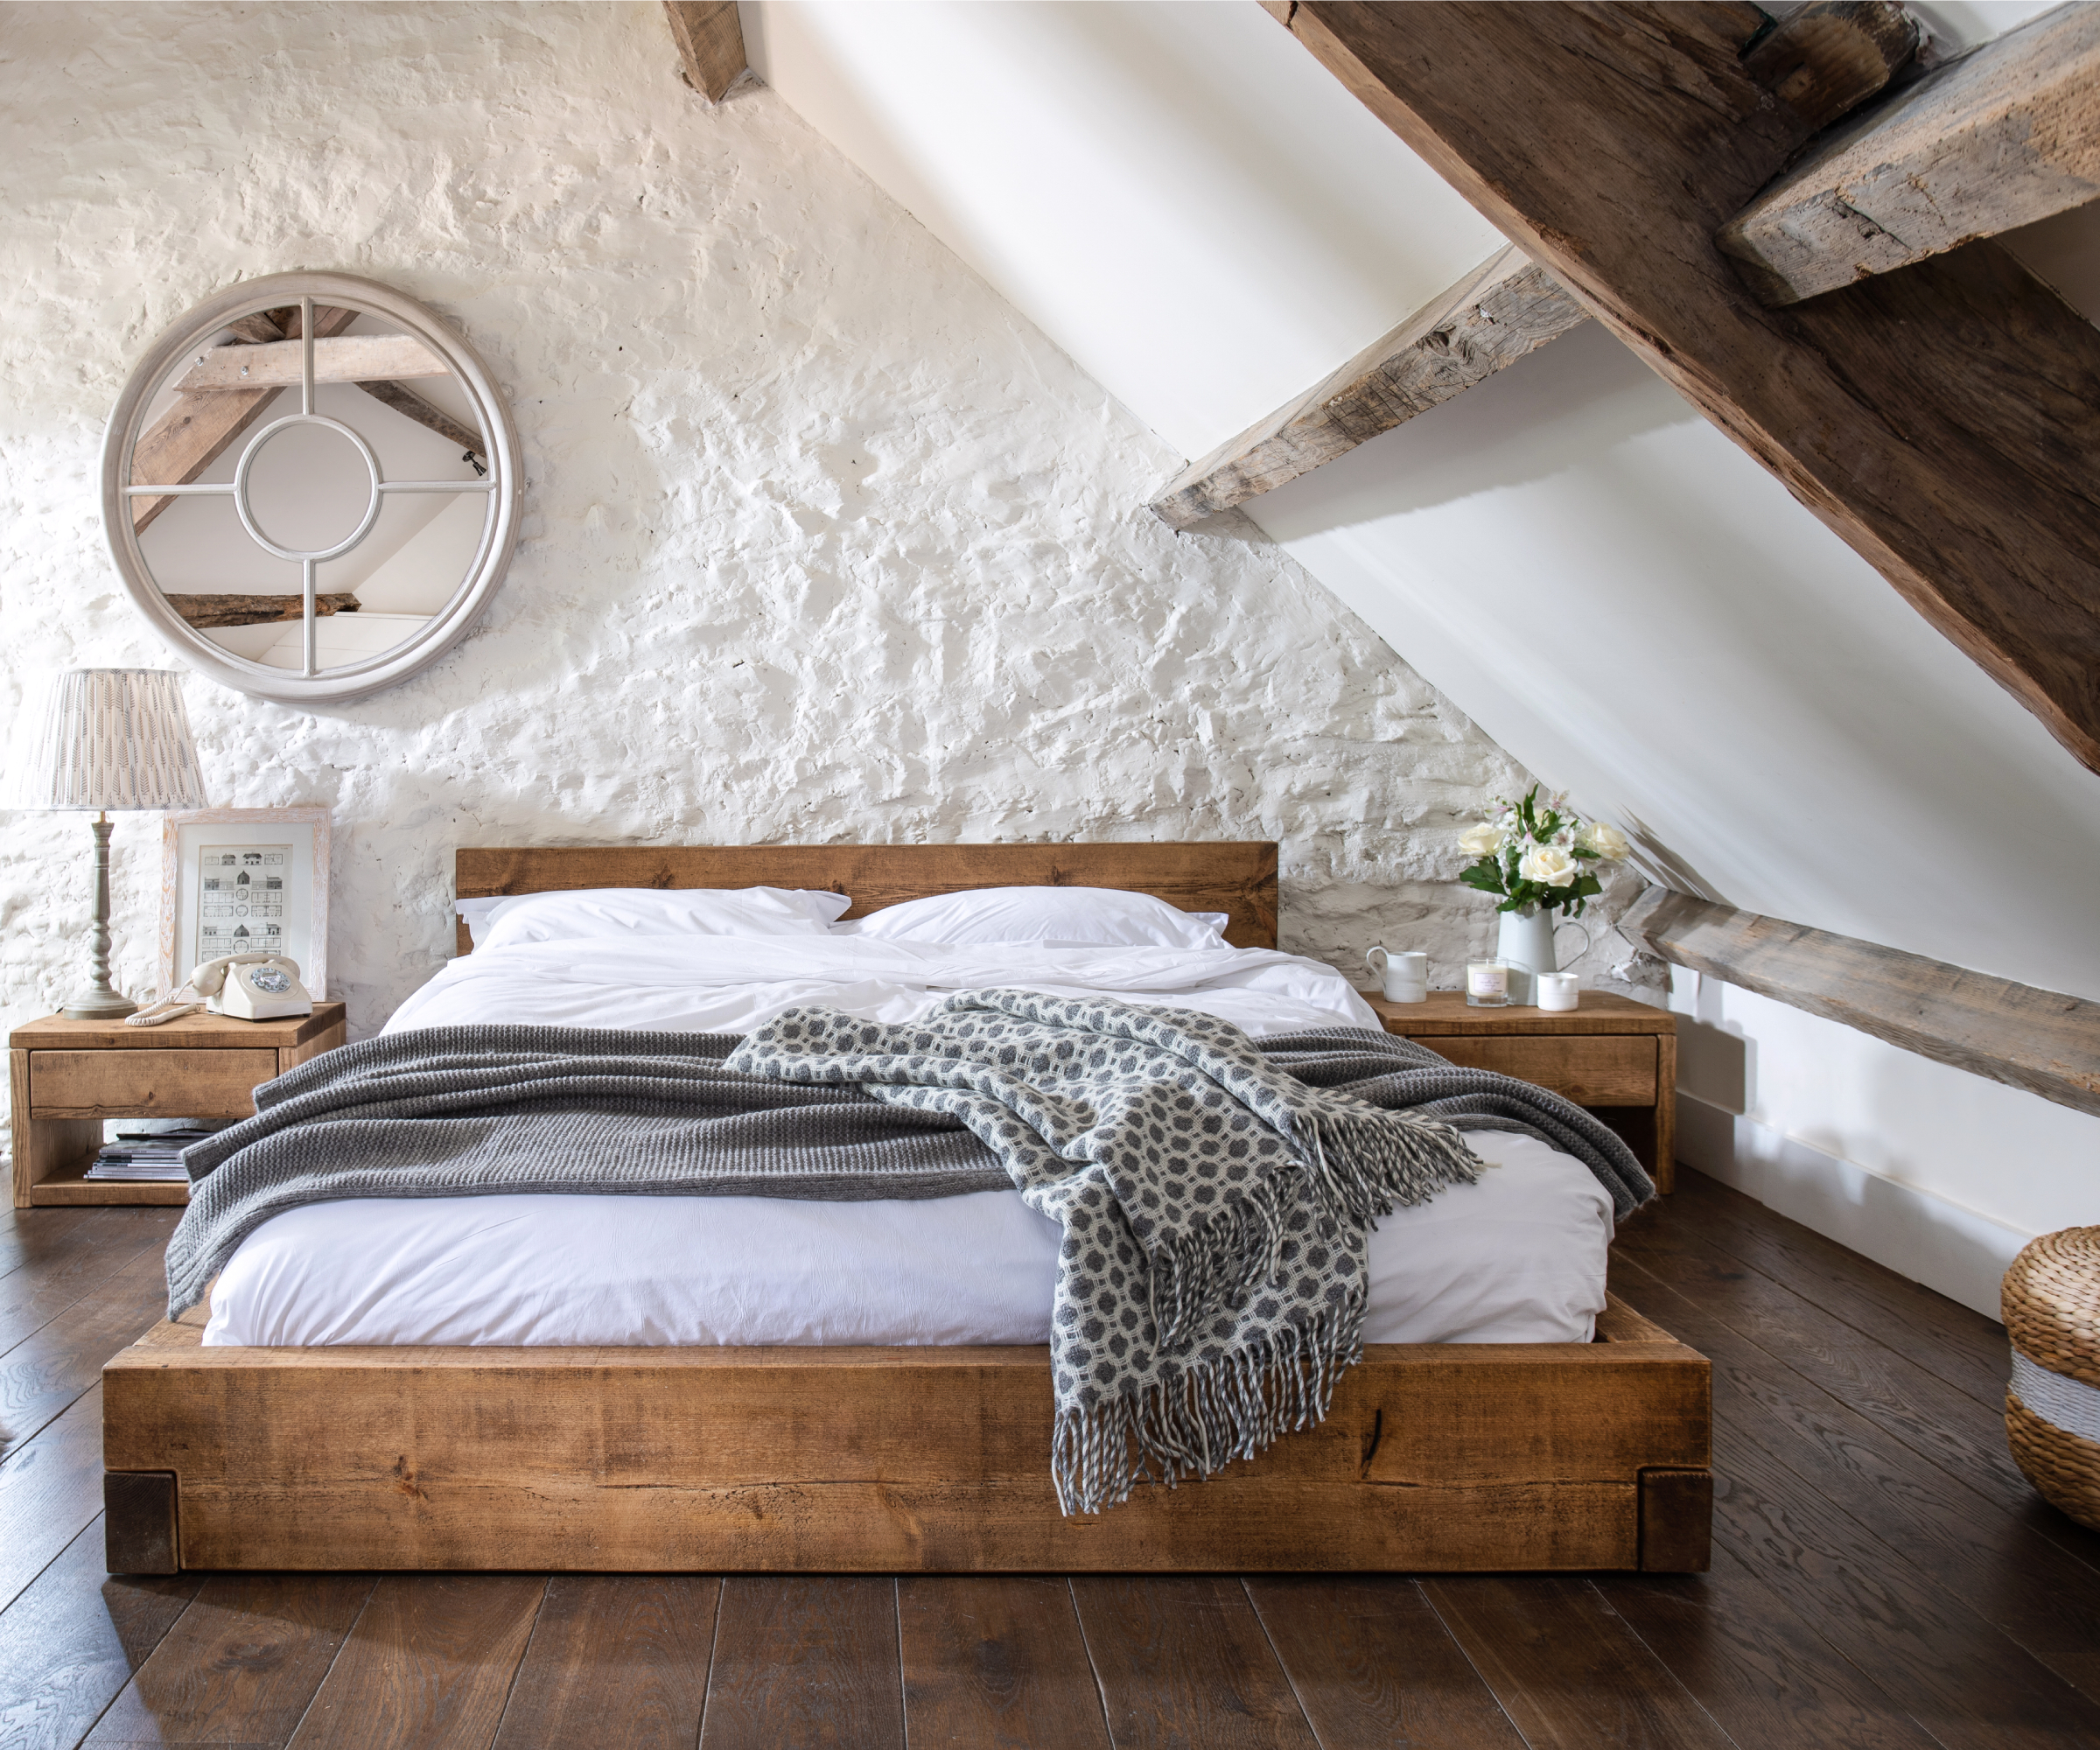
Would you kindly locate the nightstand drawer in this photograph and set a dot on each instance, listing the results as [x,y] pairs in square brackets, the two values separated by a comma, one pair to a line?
[146,1084]
[1591,1070]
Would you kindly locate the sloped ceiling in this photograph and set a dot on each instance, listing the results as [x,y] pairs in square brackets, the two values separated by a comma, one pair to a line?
[1208,223]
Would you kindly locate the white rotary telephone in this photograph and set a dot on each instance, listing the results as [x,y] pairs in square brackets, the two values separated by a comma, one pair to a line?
[254,987]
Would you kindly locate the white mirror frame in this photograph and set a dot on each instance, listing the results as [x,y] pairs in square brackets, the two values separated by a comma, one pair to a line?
[449,625]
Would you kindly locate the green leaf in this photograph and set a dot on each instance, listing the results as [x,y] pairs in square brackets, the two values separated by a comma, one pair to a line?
[1484,876]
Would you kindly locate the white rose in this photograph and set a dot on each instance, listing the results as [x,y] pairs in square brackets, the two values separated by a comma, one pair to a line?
[1549,865]
[1607,841]
[1481,841]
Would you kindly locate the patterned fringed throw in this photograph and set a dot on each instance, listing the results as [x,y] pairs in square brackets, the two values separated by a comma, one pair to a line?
[1212,1281]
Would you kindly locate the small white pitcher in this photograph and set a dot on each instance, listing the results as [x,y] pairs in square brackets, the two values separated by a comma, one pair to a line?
[1526,944]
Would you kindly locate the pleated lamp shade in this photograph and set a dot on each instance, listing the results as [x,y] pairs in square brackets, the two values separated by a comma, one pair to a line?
[112,739]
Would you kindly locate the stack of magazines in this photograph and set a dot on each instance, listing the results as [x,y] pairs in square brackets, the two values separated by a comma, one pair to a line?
[147,1154]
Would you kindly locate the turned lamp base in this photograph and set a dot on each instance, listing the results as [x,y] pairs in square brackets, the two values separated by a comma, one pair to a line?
[100,1001]
[99,1006]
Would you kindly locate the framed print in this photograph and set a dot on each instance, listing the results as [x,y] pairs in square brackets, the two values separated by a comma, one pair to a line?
[243,881]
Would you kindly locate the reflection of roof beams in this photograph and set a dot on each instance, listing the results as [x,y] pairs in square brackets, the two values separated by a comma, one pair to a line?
[2003,137]
[710,41]
[404,400]
[354,358]
[238,610]
[1504,308]
[200,428]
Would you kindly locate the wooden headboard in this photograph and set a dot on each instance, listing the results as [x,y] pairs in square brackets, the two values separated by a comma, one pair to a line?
[1238,879]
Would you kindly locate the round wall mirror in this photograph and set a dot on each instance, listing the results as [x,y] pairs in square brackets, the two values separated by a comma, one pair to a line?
[310,485]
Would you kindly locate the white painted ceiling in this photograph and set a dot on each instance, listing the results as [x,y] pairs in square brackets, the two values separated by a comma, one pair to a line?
[1182,199]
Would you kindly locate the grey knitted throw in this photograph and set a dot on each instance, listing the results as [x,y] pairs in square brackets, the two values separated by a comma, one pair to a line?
[1213,1192]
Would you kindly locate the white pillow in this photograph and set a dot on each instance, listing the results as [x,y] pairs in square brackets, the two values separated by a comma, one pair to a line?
[597,912]
[1057,917]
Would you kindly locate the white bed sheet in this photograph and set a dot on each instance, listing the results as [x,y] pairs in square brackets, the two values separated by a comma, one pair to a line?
[1519,1258]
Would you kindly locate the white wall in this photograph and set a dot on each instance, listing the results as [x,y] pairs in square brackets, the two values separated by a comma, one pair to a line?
[1187,212]
[1616,594]
[821,541]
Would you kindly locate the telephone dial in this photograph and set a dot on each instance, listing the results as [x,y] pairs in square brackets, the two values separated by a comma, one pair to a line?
[254,987]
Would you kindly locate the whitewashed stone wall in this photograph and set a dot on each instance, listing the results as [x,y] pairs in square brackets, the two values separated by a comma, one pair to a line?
[822,541]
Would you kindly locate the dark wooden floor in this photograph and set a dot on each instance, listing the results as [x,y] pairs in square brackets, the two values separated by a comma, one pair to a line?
[1883,1577]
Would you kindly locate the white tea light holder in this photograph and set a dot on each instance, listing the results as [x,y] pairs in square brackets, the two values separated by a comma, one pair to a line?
[1558,991]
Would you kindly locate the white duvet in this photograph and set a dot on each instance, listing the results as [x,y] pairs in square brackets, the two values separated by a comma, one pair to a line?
[1518,1258]
[731,984]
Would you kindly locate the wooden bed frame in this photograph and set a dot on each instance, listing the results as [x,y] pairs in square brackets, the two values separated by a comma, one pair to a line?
[1446,1457]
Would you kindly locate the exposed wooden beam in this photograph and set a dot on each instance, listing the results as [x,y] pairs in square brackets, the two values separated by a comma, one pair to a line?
[1504,308]
[1945,421]
[239,610]
[352,358]
[710,41]
[404,400]
[199,429]
[258,328]
[2040,1040]
[1830,57]
[2004,136]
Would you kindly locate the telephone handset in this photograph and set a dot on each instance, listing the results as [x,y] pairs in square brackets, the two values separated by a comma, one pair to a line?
[254,987]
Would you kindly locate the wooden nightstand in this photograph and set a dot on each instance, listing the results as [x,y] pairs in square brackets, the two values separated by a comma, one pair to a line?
[1617,1057]
[70,1075]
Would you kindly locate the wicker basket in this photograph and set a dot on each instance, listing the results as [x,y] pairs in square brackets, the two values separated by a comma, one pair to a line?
[2051,1299]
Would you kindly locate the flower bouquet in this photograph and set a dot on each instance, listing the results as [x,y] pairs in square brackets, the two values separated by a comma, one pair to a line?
[1540,859]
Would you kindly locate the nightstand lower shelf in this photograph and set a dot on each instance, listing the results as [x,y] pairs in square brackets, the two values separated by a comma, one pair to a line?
[71,1186]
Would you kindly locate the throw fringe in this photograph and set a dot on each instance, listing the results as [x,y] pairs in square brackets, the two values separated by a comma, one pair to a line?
[1196,1424]
[1225,1257]
[1368,1162]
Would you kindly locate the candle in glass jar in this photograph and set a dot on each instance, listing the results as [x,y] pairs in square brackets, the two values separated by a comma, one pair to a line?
[1488,983]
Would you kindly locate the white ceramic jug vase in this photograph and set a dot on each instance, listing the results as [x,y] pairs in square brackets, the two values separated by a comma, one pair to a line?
[1526,943]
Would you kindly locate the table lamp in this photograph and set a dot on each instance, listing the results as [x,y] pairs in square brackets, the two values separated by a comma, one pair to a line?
[111,739]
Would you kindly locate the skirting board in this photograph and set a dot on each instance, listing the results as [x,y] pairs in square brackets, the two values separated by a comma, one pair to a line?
[1955,1250]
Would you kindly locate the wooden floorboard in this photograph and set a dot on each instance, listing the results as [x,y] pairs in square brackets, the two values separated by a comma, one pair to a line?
[997,1661]
[1183,1662]
[1963,1680]
[805,1660]
[242,1666]
[1371,1664]
[1765,1677]
[71,1641]
[616,1661]
[1884,1579]
[1943,1336]
[1567,1667]
[42,1375]
[49,1490]
[428,1665]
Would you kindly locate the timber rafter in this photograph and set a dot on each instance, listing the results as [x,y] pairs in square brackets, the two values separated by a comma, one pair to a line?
[1945,422]
[1503,310]
[2043,1041]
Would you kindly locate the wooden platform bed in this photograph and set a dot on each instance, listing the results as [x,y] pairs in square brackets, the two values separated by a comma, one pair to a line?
[1445,1457]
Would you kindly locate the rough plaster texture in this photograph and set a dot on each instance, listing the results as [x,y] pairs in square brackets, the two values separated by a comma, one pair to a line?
[821,541]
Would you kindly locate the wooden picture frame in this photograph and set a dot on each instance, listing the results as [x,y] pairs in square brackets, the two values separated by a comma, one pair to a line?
[303,936]
[931,1460]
